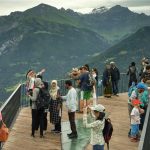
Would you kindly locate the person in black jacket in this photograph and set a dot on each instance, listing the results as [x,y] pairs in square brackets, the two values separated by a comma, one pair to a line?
[132,74]
[115,77]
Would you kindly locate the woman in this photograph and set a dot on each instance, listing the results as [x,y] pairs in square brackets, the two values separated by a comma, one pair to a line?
[55,107]
[107,82]
[97,139]
[37,115]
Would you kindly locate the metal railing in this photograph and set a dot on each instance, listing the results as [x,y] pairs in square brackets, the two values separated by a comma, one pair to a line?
[19,99]
[145,137]
[11,107]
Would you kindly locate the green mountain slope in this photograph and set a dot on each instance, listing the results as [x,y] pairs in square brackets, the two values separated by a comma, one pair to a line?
[130,49]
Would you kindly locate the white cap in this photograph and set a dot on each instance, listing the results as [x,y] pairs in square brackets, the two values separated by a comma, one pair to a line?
[99,108]
[112,62]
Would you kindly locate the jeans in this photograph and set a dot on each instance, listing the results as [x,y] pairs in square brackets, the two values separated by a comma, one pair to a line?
[98,147]
[115,87]
[134,130]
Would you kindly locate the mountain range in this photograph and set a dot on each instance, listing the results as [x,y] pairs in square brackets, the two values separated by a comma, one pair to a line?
[59,39]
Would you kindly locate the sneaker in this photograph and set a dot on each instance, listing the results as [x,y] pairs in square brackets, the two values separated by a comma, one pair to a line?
[32,135]
[73,136]
[57,131]
[41,136]
[133,140]
[69,134]
[53,130]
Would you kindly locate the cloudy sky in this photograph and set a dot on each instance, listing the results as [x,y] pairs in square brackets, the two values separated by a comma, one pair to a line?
[84,6]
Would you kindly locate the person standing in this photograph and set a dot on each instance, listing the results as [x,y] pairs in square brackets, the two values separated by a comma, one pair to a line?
[36,114]
[55,107]
[132,74]
[107,82]
[135,119]
[71,98]
[97,138]
[86,88]
[115,74]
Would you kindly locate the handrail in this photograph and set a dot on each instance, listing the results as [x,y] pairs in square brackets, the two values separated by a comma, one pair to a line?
[144,143]
[6,102]
[11,107]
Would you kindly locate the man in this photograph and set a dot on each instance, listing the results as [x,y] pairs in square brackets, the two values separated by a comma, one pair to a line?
[86,88]
[115,74]
[71,98]
[146,76]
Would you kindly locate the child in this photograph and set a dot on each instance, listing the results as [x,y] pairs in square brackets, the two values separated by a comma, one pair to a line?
[135,119]
[97,139]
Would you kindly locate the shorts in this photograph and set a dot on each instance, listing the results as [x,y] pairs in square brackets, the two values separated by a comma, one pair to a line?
[87,95]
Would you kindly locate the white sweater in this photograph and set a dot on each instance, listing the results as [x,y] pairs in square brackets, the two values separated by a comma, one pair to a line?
[96,130]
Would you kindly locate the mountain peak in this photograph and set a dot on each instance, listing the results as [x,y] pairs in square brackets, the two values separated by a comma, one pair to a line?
[99,10]
[119,8]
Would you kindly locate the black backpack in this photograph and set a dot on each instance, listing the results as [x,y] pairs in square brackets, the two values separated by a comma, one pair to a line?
[107,131]
[43,99]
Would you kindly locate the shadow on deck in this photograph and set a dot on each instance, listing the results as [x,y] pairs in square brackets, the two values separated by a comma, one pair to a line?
[20,138]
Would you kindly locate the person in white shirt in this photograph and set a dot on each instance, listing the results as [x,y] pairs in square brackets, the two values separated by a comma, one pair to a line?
[135,119]
[71,99]
[97,138]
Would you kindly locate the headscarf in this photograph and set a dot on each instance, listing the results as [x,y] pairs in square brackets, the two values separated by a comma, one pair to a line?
[53,90]
[38,82]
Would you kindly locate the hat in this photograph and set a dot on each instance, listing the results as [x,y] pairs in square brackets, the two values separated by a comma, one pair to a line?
[112,62]
[136,102]
[141,86]
[75,69]
[99,108]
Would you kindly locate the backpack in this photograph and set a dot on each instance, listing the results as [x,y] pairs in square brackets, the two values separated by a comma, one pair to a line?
[4,132]
[131,89]
[132,69]
[43,99]
[107,131]
[91,81]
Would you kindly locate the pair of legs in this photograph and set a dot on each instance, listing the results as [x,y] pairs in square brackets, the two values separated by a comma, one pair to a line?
[98,147]
[37,116]
[115,87]
[134,132]
[71,116]
[58,125]
[85,99]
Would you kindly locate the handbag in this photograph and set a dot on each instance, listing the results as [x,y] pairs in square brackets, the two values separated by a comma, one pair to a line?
[4,132]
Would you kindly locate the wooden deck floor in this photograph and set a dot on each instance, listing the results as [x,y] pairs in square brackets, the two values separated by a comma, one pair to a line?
[20,138]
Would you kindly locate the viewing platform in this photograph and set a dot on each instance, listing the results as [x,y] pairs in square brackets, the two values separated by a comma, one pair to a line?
[20,139]
[17,116]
